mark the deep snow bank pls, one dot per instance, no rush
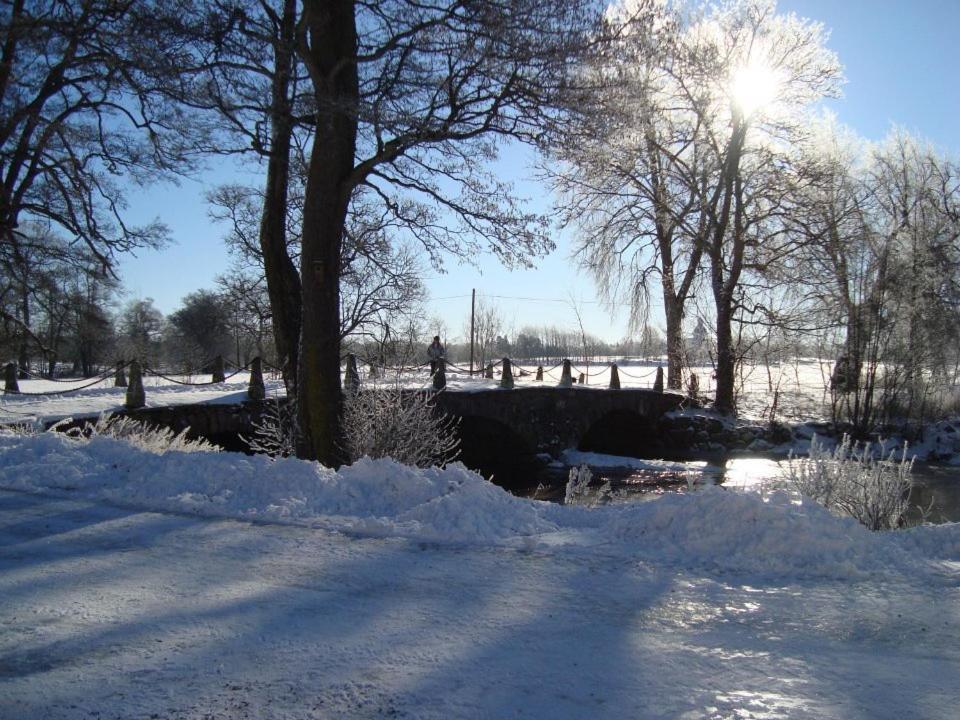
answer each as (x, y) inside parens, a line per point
(716, 529)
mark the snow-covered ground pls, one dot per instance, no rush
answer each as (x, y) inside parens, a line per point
(203, 585)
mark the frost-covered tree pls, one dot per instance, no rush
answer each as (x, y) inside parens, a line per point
(691, 165)
(880, 263)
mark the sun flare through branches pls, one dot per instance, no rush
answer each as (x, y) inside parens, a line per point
(754, 88)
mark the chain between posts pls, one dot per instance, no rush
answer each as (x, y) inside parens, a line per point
(65, 391)
(150, 371)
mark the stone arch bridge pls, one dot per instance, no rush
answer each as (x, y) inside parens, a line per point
(519, 422)
(551, 419)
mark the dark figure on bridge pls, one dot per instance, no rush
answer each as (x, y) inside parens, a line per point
(436, 353)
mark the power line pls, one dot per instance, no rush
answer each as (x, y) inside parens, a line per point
(565, 301)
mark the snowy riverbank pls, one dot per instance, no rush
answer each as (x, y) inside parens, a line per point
(214, 585)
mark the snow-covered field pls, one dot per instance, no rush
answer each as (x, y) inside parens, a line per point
(46, 400)
(203, 585)
(801, 387)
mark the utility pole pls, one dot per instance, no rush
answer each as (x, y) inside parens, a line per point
(473, 306)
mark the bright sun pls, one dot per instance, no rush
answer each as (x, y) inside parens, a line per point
(754, 87)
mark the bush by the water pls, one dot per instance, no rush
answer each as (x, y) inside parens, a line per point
(873, 488)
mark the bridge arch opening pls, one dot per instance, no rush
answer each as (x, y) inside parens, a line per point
(624, 432)
(495, 450)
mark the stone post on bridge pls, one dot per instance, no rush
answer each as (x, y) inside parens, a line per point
(440, 376)
(136, 397)
(256, 390)
(351, 378)
(539, 373)
(658, 383)
(219, 375)
(566, 377)
(506, 376)
(614, 377)
(10, 383)
(120, 377)
(488, 373)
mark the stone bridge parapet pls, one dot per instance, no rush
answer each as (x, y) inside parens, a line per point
(550, 419)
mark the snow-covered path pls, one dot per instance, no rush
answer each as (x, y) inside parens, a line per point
(111, 612)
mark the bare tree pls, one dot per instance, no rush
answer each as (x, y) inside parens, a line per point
(625, 174)
(408, 97)
(78, 111)
(380, 275)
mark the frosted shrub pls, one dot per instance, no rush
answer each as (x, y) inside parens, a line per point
(577, 483)
(153, 439)
(401, 424)
(850, 480)
(275, 434)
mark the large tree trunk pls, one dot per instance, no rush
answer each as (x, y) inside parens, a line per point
(23, 353)
(726, 357)
(329, 49)
(725, 276)
(673, 308)
(283, 282)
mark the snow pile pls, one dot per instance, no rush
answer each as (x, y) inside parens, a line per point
(736, 531)
(379, 497)
(717, 529)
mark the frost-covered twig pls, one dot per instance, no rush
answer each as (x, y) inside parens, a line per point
(577, 483)
(275, 433)
(153, 439)
(401, 424)
(851, 480)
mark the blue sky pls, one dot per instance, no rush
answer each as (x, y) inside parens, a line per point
(900, 59)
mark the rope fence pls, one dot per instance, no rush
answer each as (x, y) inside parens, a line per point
(95, 381)
(134, 390)
(151, 371)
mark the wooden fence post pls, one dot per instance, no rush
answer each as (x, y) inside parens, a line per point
(506, 375)
(119, 377)
(566, 377)
(539, 373)
(256, 390)
(658, 383)
(219, 375)
(614, 377)
(136, 397)
(10, 383)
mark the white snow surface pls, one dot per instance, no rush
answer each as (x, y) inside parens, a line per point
(216, 585)
(774, 535)
(48, 400)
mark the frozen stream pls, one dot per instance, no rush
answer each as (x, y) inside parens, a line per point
(936, 489)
